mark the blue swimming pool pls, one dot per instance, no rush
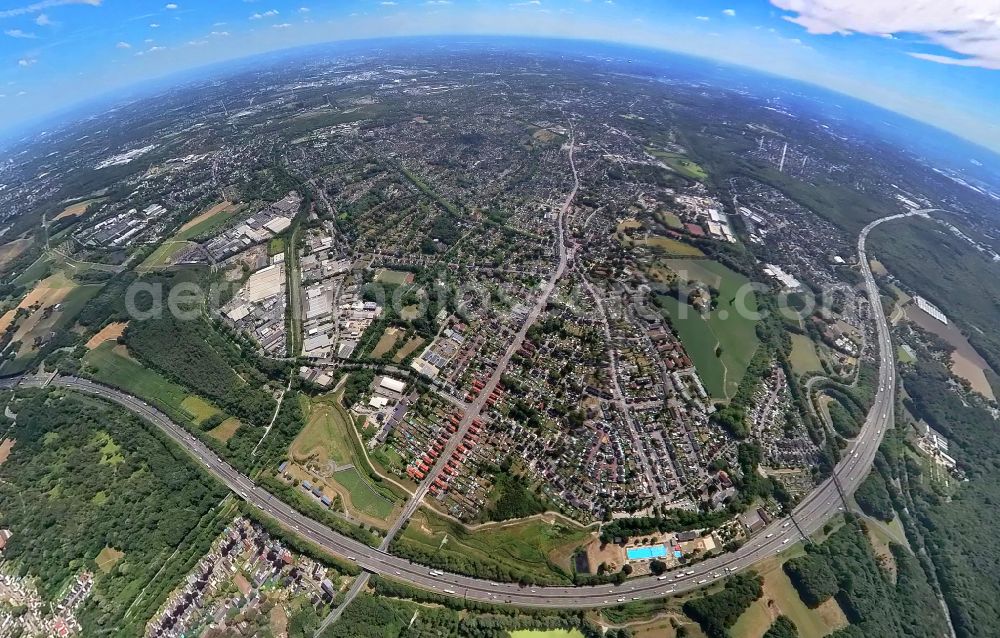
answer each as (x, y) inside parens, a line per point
(646, 553)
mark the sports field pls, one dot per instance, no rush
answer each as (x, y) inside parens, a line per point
(722, 342)
(393, 277)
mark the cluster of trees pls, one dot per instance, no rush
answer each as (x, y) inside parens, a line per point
(844, 566)
(782, 627)
(452, 617)
(716, 613)
(512, 499)
(873, 498)
(192, 354)
(672, 520)
(356, 385)
(95, 476)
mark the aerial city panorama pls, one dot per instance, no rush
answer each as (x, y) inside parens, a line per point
(500, 319)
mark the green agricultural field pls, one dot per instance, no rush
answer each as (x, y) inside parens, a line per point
(207, 221)
(721, 343)
(363, 496)
(162, 255)
(533, 548)
(37, 325)
(804, 358)
(106, 364)
(203, 223)
(904, 356)
(672, 246)
(198, 408)
(36, 271)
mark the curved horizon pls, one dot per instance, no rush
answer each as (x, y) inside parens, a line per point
(63, 53)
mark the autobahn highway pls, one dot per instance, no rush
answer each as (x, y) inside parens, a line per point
(808, 516)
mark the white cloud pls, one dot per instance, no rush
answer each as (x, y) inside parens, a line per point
(283, 25)
(42, 5)
(219, 34)
(437, 2)
(388, 3)
(17, 33)
(43, 20)
(729, 12)
(267, 14)
(304, 9)
(968, 28)
(703, 18)
(152, 49)
(26, 62)
(123, 45)
(170, 7)
(153, 25)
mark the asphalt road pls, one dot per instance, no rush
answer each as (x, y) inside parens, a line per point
(809, 516)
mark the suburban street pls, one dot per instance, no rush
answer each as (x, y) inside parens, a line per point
(808, 517)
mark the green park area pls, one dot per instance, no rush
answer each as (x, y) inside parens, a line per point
(329, 438)
(781, 598)
(546, 633)
(722, 341)
(679, 163)
(537, 550)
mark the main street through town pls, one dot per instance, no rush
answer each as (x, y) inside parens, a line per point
(809, 516)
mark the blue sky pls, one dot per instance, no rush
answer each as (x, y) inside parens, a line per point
(936, 61)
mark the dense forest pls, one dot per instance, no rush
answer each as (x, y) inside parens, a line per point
(957, 532)
(192, 354)
(85, 476)
(845, 567)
